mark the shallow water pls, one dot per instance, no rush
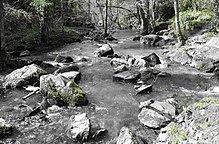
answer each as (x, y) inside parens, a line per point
(112, 104)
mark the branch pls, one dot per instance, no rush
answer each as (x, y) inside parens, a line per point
(119, 7)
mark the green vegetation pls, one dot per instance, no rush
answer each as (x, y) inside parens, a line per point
(74, 96)
(203, 103)
(191, 20)
(177, 134)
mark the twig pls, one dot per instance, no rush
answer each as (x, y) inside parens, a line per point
(30, 94)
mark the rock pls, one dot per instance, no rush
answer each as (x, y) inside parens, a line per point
(155, 114)
(25, 53)
(128, 61)
(27, 75)
(66, 69)
(126, 137)
(54, 117)
(99, 133)
(144, 89)
(149, 75)
(48, 67)
(152, 40)
(53, 109)
(127, 76)
(63, 90)
(152, 59)
(137, 38)
(79, 126)
(198, 123)
(5, 129)
(180, 56)
(120, 68)
(72, 75)
(64, 59)
(104, 51)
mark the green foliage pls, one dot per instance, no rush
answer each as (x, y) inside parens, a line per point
(177, 134)
(193, 19)
(203, 103)
(75, 97)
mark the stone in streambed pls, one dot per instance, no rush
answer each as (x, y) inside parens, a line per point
(126, 137)
(155, 114)
(127, 76)
(5, 129)
(24, 76)
(63, 90)
(104, 51)
(79, 127)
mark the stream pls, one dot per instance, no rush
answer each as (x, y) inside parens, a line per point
(112, 104)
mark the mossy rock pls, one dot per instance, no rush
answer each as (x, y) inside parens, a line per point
(63, 90)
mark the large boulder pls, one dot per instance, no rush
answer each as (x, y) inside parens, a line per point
(128, 61)
(127, 76)
(152, 40)
(152, 60)
(180, 56)
(155, 114)
(24, 76)
(104, 51)
(62, 89)
(79, 127)
(198, 123)
(126, 137)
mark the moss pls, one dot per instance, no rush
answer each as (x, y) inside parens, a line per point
(203, 66)
(74, 98)
(173, 129)
(208, 125)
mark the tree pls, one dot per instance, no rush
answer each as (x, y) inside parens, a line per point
(1, 24)
(106, 20)
(143, 14)
(180, 38)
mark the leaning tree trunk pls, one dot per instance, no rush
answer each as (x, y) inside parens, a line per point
(1, 24)
(3, 55)
(143, 10)
(106, 20)
(178, 32)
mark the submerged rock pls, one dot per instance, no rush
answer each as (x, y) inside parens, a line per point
(25, 53)
(68, 68)
(64, 59)
(79, 127)
(126, 137)
(198, 123)
(104, 51)
(127, 76)
(63, 90)
(152, 40)
(120, 68)
(155, 114)
(24, 76)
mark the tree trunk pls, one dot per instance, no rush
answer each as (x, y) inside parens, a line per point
(144, 16)
(1, 24)
(106, 19)
(3, 55)
(177, 23)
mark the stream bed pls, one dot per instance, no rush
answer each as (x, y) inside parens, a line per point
(112, 104)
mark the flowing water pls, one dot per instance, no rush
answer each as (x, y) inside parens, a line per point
(112, 104)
